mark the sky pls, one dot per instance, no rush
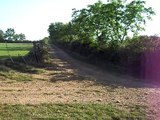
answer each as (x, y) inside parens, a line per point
(33, 17)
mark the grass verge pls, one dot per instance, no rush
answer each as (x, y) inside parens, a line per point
(23, 68)
(9, 74)
(66, 112)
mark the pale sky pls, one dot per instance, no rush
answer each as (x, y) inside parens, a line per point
(32, 17)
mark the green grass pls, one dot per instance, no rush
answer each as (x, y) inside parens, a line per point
(23, 68)
(14, 49)
(18, 72)
(66, 112)
(9, 74)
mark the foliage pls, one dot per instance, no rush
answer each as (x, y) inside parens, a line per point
(10, 35)
(1, 36)
(45, 57)
(101, 23)
(112, 21)
(54, 30)
(19, 37)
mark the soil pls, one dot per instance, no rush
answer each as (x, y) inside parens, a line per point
(69, 80)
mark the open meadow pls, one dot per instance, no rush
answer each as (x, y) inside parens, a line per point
(14, 49)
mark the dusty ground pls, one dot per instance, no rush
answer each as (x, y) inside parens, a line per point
(72, 81)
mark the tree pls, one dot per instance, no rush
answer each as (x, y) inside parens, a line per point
(82, 24)
(22, 36)
(104, 25)
(129, 17)
(54, 30)
(59, 32)
(9, 34)
(112, 21)
(19, 37)
(1, 35)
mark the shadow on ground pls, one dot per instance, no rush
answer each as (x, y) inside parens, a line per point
(20, 67)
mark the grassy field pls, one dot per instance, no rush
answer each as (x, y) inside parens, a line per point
(15, 49)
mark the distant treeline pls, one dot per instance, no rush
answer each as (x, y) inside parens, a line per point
(101, 31)
(10, 35)
(23, 41)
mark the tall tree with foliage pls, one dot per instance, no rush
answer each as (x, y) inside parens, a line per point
(60, 32)
(9, 34)
(19, 37)
(105, 25)
(112, 21)
(81, 25)
(55, 31)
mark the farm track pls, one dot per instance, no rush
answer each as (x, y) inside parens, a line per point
(72, 81)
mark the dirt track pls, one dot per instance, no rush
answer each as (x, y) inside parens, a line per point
(72, 81)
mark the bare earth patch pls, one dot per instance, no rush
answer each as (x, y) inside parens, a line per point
(72, 81)
(36, 92)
